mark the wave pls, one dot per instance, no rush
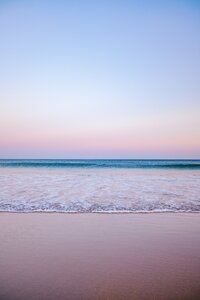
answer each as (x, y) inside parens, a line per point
(95, 208)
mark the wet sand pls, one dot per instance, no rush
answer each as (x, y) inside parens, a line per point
(99, 256)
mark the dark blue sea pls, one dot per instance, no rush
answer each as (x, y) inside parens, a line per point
(101, 163)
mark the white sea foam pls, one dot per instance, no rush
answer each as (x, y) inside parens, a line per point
(99, 190)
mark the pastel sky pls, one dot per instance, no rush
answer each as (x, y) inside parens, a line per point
(99, 79)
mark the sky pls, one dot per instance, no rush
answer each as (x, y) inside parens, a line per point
(99, 79)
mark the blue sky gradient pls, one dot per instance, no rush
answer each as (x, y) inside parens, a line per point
(88, 79)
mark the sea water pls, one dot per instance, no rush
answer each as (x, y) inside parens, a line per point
(105, 186)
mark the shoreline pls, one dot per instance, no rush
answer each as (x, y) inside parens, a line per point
(101, 212)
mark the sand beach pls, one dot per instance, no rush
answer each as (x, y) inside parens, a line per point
(99, 256)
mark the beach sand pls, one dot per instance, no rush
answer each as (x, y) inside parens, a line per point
(99, 256)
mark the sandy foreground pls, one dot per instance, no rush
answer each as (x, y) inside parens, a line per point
(99, 256)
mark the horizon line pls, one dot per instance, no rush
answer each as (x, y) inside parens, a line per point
(99, 158)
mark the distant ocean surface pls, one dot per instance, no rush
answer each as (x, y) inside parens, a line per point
(106, 186)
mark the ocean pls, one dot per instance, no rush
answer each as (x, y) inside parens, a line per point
(99, 186)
